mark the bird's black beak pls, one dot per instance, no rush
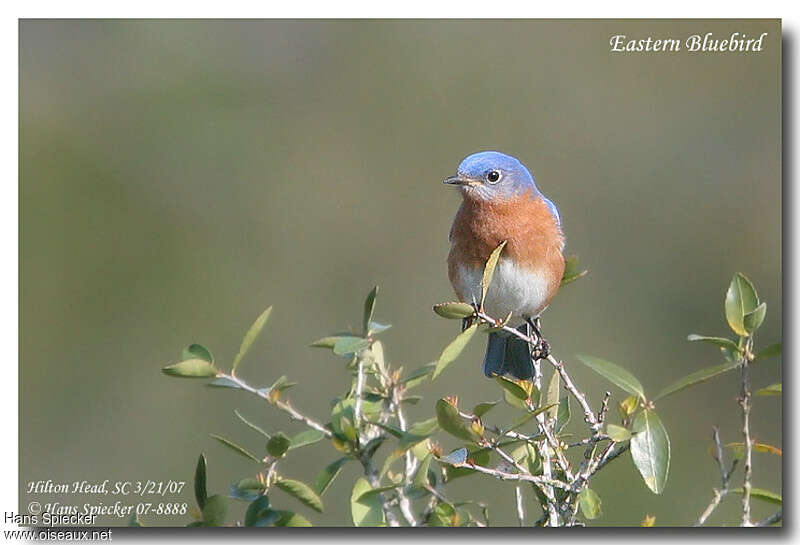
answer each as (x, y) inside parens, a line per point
(457, 180)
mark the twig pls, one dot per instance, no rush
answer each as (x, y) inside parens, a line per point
(359, 392)
(541, 419)
(410, 464)
(505, 476)
(777, 516)
(744, 402)
(374, 482)
(589, 440)
(591, 419)
(589, 416)
(520, 509)
(282, 405)
(612, 452)
(725, 477)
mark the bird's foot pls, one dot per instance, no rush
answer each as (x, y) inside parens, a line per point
(541, 349)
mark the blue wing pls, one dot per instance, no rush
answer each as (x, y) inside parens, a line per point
(553, 209)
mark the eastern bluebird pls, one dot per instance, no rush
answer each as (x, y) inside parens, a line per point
(501, 202)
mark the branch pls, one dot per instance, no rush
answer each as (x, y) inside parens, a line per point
(725, 477)
(777, 516)
(374, 482)
(520, 509)
(505, 476)
(282, 405)
(359, 392)
(744, 402)
(590, 418)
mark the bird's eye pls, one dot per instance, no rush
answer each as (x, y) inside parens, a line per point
(493, 177)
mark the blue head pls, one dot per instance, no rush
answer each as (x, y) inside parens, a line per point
(491, 175)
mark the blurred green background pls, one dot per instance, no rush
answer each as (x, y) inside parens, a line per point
(178, 177)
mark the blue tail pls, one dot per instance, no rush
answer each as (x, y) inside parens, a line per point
(507, 355)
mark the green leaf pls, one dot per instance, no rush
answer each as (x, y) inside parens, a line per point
(740, 299)
(614, 373)
(250, 424)
(278, 444)
(256, 510)
(250, 337)
(329, 472)
(369, 308)
(571, 270)
(224, 382)
(308, 437)
(290, 519)
(528, 415)
(302, 492)
(236, 448)
(590, 503)
(718, 341)
(423, 429)
(200, 493)
(325, 342)
(769, 352)
(563, 414)
(771, 390)
(197, 352)
(553, 392)
(697, 377)
(281, 384)
(454, 310)
(349, 345)
(195, 368)
(761, 494)
(452, 350)
(739, 450)
(512, 388)
(488, 270)
(367, 512)
(753, 320)
(215, 510)
(421, 478)
(650, 450)
(375, 491)
(445, 515)
(617, 433)
(418, 375)
(451, 422)
(483, 408)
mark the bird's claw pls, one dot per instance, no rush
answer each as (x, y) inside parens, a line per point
(541, 350)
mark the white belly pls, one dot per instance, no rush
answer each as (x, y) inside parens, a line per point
(513, 289)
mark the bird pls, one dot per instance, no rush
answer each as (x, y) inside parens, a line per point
(501, 202)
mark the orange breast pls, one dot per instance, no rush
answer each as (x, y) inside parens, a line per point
(535, 240)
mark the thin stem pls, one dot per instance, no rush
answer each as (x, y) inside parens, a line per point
(410, 464)
(725, 476)
(589, 416)
(374, 482)
(359, 392)
(612, 452)
(520, 508)
(775, 517)
(505, 476)
(547, 470)
(745, 403)
(282, 405)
